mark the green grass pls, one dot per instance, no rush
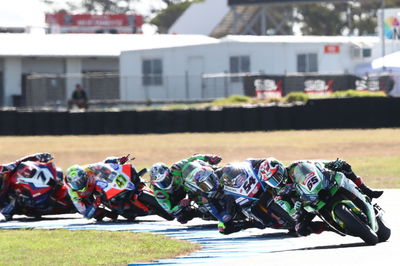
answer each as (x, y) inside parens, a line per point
(232, 100)
(354, 93)
(381, 172)
(65, 247)
(237, 100)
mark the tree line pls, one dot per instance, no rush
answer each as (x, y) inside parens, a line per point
(329, 18)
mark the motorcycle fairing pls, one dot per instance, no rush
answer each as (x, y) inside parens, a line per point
(34, 177)
(116, 182)
(242, 189)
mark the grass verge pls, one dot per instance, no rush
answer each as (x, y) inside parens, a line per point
(82, 247)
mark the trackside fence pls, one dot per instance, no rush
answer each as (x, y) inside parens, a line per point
(368, 112)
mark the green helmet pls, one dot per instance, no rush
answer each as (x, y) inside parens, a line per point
(76, 177)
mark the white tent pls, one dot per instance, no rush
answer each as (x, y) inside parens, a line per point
(389, 65)
(390, 62)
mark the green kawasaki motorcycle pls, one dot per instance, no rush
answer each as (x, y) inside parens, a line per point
(338, 202)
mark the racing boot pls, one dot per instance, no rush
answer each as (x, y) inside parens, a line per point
(8, 212)
(373, 194)
(346, 169)
(319, 227)
(100, 214)
(293, 232)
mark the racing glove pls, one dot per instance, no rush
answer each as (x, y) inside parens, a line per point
(339, 165)
(184, 203)
(123, 159)
(213, 159)
(296, 210)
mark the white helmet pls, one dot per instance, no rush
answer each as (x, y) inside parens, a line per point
(273, 172)
(160, 176)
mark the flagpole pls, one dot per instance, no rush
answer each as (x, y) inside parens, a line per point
(383, 32)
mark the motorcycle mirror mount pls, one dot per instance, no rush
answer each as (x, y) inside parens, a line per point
(142, 172)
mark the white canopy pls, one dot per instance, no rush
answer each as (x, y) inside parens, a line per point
(388, 62)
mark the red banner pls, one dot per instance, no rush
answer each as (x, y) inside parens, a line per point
(331, 49)
(91, 23)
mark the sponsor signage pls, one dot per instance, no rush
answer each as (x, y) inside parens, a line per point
(268, 88)
(88, 23)
(391, 26)
(318, 86)
(276, 86)
(249, 2)
(367, 84)
(331, 49)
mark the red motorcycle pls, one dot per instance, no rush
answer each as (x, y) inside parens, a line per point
(36, 189)
(121, 189)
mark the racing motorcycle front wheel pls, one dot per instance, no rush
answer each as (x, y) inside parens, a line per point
(354, 225)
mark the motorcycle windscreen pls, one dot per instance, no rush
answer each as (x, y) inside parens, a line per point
(309, 180)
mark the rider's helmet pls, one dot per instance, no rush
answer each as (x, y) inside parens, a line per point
(160, 176)
(272, 172)
(233, 174)
(76, 177)
(206, 180)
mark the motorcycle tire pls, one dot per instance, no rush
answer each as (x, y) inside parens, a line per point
(384, 232)
(355, 226)
(152, 203)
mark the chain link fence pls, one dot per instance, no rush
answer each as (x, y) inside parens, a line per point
(112, 90)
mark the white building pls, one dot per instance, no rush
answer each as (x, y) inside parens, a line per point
(183, 73)
(43, 69)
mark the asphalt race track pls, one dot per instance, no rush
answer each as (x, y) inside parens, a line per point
(252, 246)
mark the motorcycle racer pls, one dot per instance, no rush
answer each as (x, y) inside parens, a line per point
(168, 186)
(81, 186)
(279, 177)
(7, 170)
(228, 208)
(244, 177)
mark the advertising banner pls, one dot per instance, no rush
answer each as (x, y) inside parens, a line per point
(88, 23)
(264, 87)
(391, 22)
(332, 49)
(270, 86)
